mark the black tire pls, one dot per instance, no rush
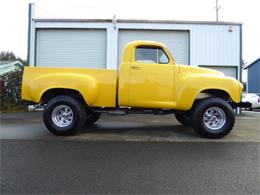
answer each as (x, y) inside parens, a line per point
(62, 104)
(91, 117)
(183, 118)
(212, 109)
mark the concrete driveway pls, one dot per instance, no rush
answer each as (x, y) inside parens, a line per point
(148, 128)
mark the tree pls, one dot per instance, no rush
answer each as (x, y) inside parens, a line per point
(10, 56)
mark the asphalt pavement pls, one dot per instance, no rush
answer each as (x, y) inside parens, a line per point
(154, 128)
(128, 155)
(50, 167)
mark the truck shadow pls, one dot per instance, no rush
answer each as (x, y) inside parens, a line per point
(153, 131)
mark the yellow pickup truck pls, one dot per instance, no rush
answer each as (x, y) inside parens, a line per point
(149, 81)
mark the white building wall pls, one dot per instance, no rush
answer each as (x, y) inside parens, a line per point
(214, 45)
(112, 46)
(210, 44)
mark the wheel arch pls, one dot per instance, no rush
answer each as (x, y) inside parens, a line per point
(220, 93)
(48, 94)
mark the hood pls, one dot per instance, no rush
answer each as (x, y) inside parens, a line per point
(199, 70)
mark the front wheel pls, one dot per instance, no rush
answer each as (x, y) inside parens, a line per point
(64, 115)
(212, 117)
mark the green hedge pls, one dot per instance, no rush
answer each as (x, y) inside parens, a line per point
(10, 94)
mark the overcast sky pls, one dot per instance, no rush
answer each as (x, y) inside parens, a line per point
(14, 13)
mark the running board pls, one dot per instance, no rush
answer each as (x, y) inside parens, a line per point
(124, 111)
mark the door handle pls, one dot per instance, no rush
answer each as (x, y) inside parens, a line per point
(135, 67)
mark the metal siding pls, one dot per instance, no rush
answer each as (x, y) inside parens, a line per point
(176, 41)
(71, 48)
(254, 78)
(213, 44)
(209, 44)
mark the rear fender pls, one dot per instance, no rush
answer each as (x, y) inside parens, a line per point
(86, 85)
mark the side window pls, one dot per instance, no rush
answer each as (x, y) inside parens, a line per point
(151, 55)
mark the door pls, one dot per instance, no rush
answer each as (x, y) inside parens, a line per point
(151, 79)
(71, 48)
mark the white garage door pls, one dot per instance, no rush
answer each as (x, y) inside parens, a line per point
(71, 48)
(176, 41)
(230, 71)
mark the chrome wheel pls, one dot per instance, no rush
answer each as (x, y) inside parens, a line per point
(214, 118)
(62, 116)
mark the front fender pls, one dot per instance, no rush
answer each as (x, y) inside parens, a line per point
(190, 87)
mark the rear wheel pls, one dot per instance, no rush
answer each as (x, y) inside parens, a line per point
(212, 117)
(183, 118)
(64, 115)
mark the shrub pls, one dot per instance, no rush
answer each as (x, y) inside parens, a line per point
(10, 91)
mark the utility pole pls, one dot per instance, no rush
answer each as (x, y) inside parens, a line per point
(217, 9)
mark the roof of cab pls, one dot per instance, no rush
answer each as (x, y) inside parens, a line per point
(144, 43)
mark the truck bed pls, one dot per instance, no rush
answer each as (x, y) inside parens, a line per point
(97, 86)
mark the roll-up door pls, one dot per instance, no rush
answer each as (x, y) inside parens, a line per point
(71, 48)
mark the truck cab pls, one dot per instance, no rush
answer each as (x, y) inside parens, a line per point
(146, 76)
